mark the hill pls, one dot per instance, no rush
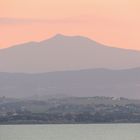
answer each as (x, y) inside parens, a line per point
(83, 83)
(62, 53)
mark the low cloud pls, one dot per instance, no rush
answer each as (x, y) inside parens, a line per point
(13, 21)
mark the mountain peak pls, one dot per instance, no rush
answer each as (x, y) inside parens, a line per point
(69, 39)
(59, 35)
(68, 36)
(56, 37)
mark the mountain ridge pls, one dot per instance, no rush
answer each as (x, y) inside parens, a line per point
(96, 82)
(59, 35)
(62, 53)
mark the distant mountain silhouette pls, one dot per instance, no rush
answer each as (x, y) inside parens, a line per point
(94, 82)
(61, 53)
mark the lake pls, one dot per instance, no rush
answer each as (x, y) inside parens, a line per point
(71, 132)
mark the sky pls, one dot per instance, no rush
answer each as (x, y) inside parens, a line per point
(111, 22)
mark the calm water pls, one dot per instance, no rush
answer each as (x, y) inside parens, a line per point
(71, 132)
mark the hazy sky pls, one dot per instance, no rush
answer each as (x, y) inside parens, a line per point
(113, 22)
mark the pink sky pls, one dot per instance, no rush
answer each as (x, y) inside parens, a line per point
(112, 22)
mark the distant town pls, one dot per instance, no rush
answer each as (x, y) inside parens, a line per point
(69, 110)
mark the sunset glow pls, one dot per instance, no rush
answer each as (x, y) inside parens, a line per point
(115, 23)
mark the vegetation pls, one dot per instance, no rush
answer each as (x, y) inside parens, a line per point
(69, 110)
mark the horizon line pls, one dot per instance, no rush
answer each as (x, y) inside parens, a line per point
(72, 36)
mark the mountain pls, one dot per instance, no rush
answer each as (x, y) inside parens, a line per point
(61, 53)
(83, 83)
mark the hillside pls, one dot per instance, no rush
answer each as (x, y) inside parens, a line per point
(69, 110)
(83, 83)
(62, 53)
